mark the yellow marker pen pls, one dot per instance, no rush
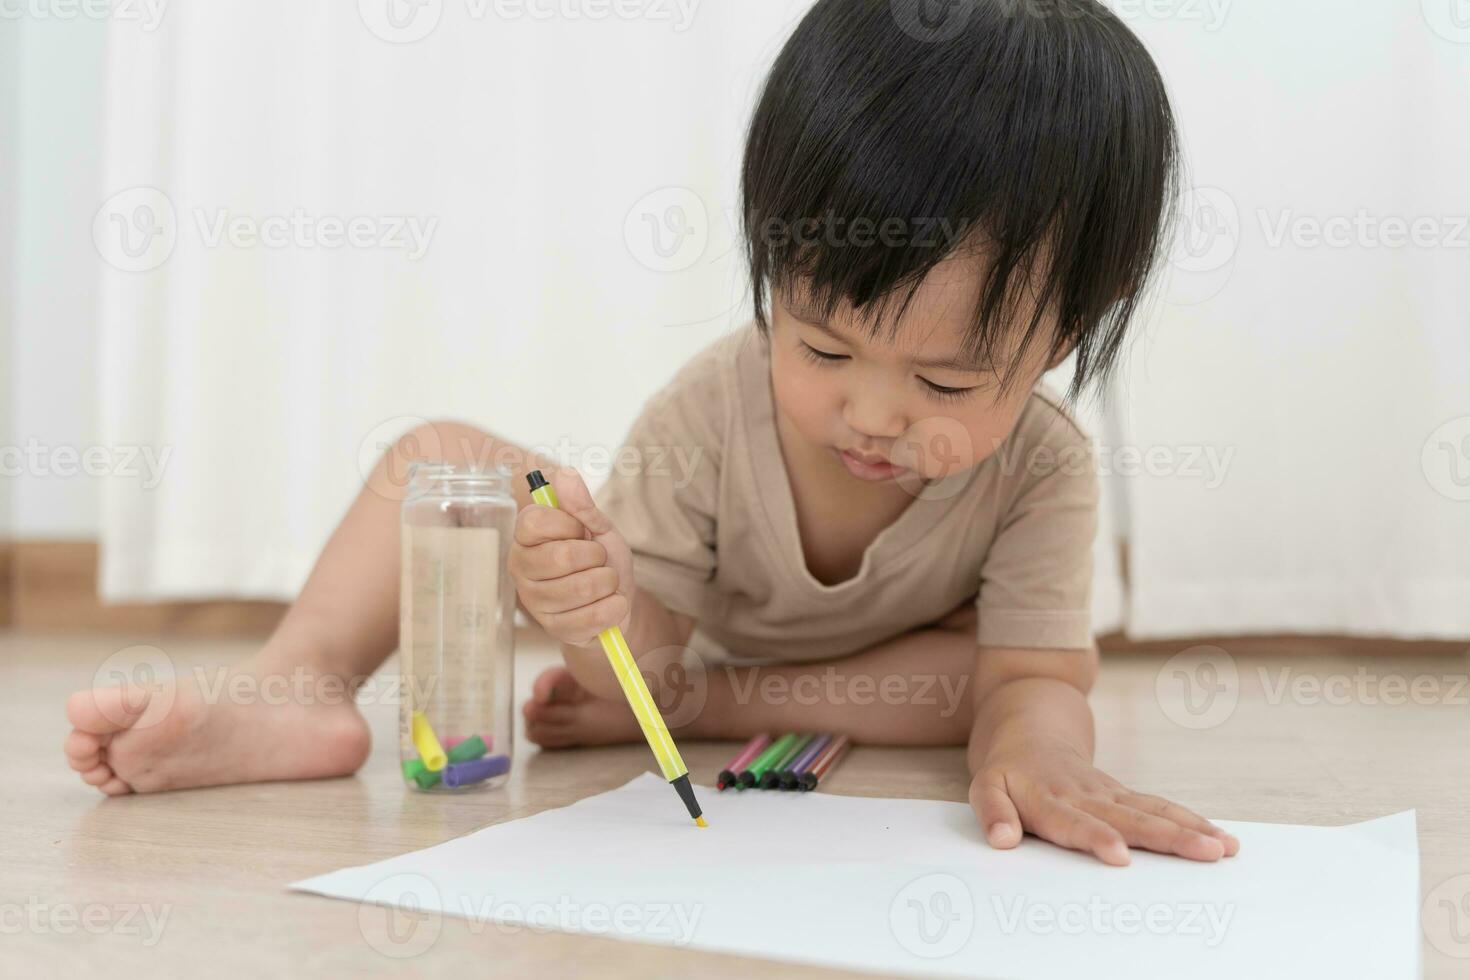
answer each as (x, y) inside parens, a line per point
(639, 698)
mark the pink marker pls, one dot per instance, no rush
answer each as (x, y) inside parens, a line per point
(752, 749)
(454, 740)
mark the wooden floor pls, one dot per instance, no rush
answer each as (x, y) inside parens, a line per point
(1312, 739)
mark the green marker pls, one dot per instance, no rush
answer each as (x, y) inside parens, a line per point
(762, 762)
(471, 748)
(416, 770)
(771, 778)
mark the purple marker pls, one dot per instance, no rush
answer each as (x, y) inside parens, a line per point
(803, 762)
(458, 774)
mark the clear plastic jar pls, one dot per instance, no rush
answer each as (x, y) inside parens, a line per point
(456, 629)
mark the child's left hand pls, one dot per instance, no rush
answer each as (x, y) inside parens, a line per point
(1053, 792)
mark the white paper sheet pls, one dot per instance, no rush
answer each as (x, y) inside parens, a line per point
(910, 886)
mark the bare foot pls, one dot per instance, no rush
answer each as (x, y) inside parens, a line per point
(561, 714)
(172, 736)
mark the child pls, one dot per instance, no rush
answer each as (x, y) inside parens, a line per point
(883, 510)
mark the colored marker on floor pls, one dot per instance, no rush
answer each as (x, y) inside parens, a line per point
(753, 748)
(825, 763)
(803, 762)
(773, 753)
(772, 776)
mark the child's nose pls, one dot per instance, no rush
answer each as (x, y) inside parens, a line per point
(875, 418)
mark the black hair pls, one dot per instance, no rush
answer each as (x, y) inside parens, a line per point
(1036, 133)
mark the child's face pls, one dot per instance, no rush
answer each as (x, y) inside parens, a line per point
(899, 409)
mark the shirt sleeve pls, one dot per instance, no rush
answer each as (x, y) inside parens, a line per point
(1036, 580)
(662, 492)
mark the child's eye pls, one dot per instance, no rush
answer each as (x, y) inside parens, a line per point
(943, 393)
(820, 356)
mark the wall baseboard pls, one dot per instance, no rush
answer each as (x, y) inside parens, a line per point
(1305, 645)
(7, 551)
(52, 585)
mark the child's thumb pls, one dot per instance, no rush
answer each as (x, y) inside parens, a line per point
(573, 497)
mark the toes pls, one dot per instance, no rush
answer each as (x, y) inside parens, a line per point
(98, 775)
(115, 787)
(551, 736)
(83, 750)
(105, 710)
(553, 714)
(555, 684)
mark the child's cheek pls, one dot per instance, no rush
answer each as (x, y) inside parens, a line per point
(989, 431)
(941, 444)
(802, 395)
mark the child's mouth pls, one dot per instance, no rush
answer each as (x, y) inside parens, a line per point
(864, 469)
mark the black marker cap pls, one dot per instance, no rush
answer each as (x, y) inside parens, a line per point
(536, 480)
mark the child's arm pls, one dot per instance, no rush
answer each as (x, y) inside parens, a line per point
(1023, 712)
(1030, 755)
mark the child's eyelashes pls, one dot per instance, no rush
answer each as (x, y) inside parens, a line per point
(820, 356)
(948, 394)
(937, 392)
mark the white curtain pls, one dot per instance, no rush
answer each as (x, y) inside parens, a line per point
(1315, 333)
(570, 184)
(571, 177)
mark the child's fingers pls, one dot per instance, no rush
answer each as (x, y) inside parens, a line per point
(1064, 824)
(997, 814)
(556, 559)
(560, 595)
(1182, 815)
(581, 626)
(538, 525)
(1154, 833)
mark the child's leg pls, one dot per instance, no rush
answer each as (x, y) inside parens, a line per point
(287, 712)
(912, 690)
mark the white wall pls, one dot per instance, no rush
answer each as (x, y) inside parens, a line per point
(7, 126)
(50, 129)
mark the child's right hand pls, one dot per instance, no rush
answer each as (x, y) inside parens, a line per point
(572, 569)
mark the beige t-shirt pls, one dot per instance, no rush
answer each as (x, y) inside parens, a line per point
(701, 494)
